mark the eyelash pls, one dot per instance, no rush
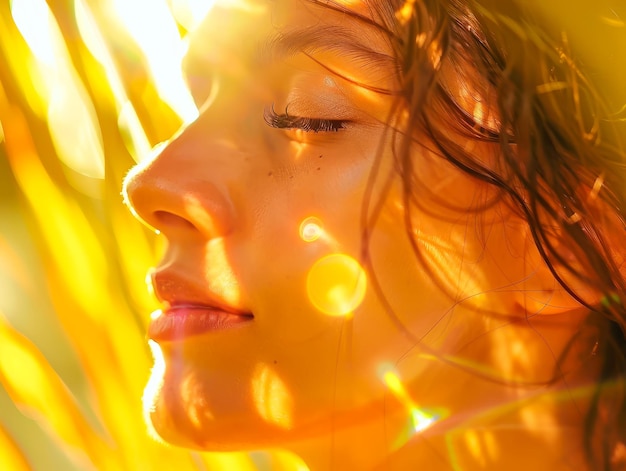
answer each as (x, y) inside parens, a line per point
(287, 121)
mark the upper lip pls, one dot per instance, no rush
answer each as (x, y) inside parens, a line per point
(175, 290)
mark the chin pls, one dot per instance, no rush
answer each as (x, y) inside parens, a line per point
(189, 422)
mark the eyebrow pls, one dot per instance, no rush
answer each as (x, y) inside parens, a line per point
(312, 40)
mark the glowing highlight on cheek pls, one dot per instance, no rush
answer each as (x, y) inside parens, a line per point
(298, 146)
(219, 274)
(336, 284)
(311, 229)
(271, 397)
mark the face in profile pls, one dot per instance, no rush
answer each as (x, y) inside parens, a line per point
(294, 302)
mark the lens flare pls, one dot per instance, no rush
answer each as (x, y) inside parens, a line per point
(311, 229)
(420, 418)
(336, 284)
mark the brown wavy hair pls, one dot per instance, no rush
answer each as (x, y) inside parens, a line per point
(554, 114)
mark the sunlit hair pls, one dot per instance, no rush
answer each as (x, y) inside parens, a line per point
(561, 165)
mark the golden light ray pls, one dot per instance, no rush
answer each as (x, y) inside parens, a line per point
(71, 118)
(163, 48)
(336, 284)
(128, 122)
(271, 397)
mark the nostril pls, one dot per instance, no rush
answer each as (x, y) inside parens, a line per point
(166, 219)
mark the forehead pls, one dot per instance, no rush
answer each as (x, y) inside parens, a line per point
(265, 31)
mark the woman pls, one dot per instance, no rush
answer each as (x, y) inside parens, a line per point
(395, 241)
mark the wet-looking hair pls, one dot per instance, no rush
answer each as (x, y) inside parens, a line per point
(553, 115)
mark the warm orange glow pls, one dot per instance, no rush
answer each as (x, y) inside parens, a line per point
(336, 284)
(271, 397)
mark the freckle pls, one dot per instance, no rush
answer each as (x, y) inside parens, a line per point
(318, 168)
(321, 155)
(269, 174)
(290, 176)
(275, 362)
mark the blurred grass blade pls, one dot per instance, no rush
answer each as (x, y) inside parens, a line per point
(37, 390)
(11, 457)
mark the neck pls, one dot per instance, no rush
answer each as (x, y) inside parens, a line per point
(493, 435)
(480, 422)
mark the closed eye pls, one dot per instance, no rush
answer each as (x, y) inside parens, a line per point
(287, 121)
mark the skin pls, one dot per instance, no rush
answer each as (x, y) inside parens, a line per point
(477, 328)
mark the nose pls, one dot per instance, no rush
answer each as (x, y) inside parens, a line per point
(182, 189)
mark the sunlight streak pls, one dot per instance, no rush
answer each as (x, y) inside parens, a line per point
(163, 48)
(271, 397)
(71, 117)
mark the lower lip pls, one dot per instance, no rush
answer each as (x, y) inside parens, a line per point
(181, 322)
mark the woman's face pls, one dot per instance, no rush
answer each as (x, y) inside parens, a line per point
(264, 219)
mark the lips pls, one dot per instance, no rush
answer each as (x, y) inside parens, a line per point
(189, 310)
(182, 321)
